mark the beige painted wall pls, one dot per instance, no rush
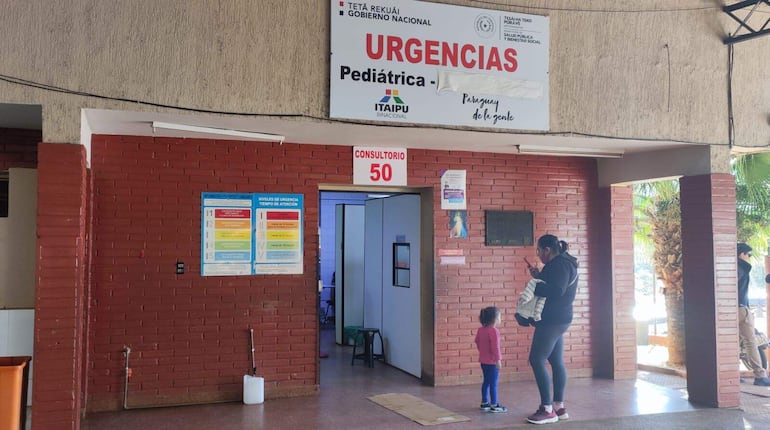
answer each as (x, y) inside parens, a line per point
(17, 241)
(609, 72)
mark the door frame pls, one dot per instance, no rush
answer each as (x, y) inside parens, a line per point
(427, 278)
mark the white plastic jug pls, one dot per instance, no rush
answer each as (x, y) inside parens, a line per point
(253, 389)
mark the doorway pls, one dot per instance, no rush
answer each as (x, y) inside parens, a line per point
(373, 295)
(20, 132)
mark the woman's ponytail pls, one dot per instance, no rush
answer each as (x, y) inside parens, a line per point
(563, 245)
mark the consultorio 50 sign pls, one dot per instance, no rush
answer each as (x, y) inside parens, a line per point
(379, 166)
(430, 63)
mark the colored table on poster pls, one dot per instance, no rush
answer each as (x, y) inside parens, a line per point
(247, 234)
(278, 244)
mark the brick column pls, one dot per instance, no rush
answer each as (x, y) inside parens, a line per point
(624, 326)
(59, 286)
(710, 295)
(612, 297)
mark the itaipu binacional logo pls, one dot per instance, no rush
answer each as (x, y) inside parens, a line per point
(484, 26)
(391, 105)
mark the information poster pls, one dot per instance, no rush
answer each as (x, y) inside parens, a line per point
(453, 189)
(247, 234)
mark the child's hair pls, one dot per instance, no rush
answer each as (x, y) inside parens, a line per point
(488, 315)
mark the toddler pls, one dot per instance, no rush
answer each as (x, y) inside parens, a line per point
(488, 344)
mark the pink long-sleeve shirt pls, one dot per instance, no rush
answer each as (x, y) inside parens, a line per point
(488, 344)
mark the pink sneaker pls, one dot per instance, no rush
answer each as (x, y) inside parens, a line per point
(543, 417)
(562, 414)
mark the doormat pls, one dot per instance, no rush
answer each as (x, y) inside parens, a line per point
(757, 390)
(417, 409)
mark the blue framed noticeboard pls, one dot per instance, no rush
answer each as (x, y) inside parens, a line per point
(251, 234)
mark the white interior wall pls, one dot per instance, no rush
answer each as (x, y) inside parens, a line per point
(327, 227)
(17, 241)
(17, 328)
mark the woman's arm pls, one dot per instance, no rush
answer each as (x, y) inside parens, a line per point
(555, 277)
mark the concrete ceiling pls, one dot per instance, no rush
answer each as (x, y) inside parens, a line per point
(28, 117)
(323, 132)
(307, 131)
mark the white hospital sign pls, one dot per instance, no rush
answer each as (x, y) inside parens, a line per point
(430, 63)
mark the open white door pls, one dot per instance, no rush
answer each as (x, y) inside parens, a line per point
(401, 304)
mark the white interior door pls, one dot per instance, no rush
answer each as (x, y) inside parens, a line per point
(401, 305)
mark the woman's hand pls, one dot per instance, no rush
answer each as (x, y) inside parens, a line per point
(533, 270)
(499, 364)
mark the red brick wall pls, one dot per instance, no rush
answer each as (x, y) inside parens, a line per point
(188, 334)
(18, 147)
(711, 312)
(60, 286)
(559, 191)
(624, 327)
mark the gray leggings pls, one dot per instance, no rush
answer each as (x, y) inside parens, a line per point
(548, 344)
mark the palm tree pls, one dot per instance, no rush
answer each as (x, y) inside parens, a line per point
(658, 220)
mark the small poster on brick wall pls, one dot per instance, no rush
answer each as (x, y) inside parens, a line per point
(251, 234)
(453, 189)
(458, 224)
(449, 257)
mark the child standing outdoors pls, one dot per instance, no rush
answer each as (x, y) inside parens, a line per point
(488, 344)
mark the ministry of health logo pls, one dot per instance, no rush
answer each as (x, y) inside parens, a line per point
(484, 26)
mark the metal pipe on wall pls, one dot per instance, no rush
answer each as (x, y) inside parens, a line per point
(127, 371)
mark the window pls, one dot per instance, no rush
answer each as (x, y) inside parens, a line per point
(401, 265)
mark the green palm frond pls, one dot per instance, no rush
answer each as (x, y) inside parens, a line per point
(752, 195)
(650, 200)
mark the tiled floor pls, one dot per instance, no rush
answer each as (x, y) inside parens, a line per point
(343, 404)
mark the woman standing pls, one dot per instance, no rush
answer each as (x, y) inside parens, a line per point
(560, 279)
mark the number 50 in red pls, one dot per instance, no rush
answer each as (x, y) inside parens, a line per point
(381, 172)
